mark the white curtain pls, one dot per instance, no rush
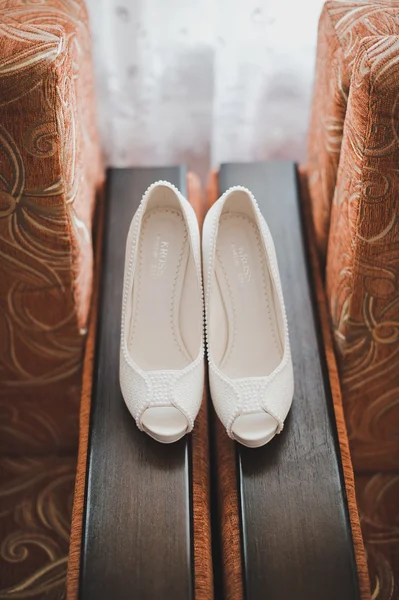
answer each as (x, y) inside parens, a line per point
(203, 81)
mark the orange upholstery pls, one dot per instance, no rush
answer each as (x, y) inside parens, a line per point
(36, 496)
(355, 122)
(50, 170)
(363, 256)
(354, 186)
(378, 495)
(229, 518)
(342, 27)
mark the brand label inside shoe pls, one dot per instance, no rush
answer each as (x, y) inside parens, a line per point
(241, 262)
(159, 257)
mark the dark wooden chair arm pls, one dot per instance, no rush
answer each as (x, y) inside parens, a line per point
(137, 526)
(296, 534)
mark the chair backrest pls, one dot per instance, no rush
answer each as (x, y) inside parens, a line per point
(354, 188)
(50, 169)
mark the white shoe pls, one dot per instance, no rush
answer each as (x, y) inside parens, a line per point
(162, 345)
(250, 368)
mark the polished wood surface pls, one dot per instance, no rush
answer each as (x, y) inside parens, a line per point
(296, 536)
(137, 540)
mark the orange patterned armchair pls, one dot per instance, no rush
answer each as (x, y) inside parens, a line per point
(50, 172)
(354, 188)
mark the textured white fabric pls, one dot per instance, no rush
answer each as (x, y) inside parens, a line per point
(183, 388)
(234, 397)
(204, 81)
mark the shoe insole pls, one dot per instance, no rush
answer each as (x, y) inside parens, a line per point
(245, 330)
(162, 270)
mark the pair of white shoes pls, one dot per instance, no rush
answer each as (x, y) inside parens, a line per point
(162, 341)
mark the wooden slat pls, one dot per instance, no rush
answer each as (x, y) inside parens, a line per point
(137, 540)
(296, 536)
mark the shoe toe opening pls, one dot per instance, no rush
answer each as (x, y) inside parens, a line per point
(255, 429)
(165, 424)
